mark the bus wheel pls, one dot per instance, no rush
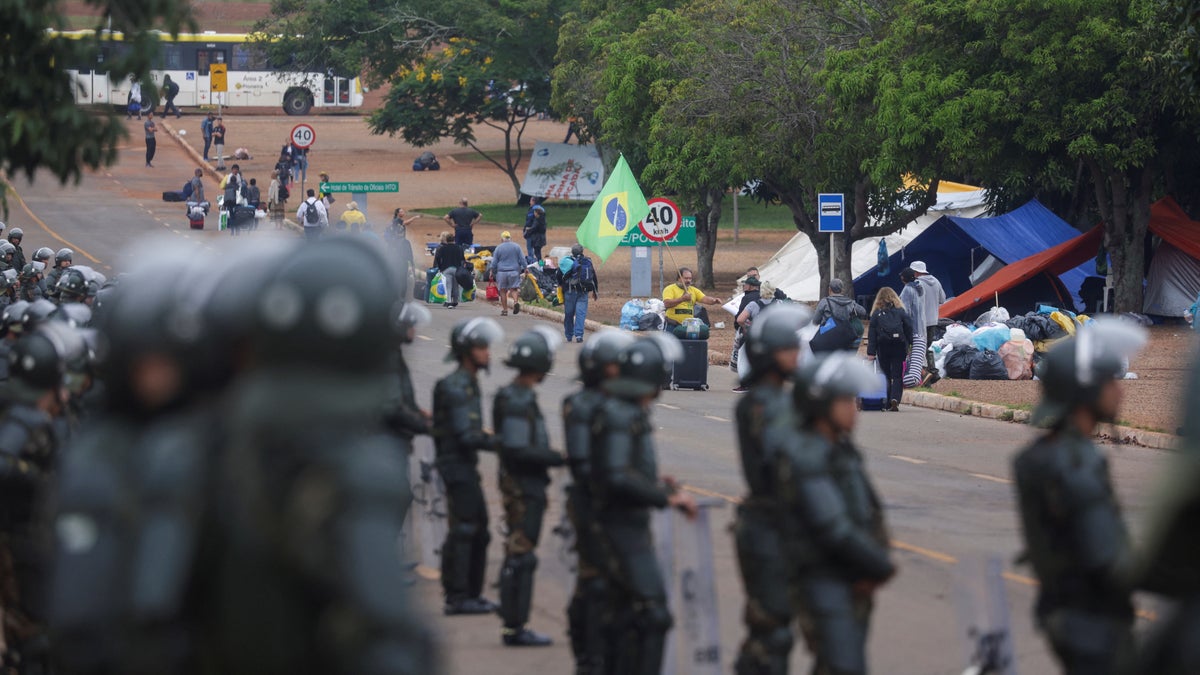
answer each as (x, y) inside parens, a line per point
(297, 102)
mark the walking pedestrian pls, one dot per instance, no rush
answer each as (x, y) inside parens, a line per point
(151, 142)
(525, 459)
(889, 338)
(934, 296)
(218, 140)
(447, 259)
(1084, 604)
(912, 295)
(751, 292)
(766, 295)
(463, 219)
(135, 101)
(578, 280)
(170, 90)
(253, 194)
(508, 263)
(396, 238)
(535, 229)
(206, 130)
(458, 436)
(312, 216)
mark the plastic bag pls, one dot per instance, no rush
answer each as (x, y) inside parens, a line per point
(958, 335)
(958, 363)
(1018, 358)
(631, 312)
(987, 365)
(993, 315)
(991, 337)
(1065, 322)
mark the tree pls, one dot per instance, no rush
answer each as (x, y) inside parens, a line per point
(1045, 94)
(452, 64)
(42, 127)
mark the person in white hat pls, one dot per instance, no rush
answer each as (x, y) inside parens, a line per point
(934, 295)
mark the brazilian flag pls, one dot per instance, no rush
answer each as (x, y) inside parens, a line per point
(618, 209)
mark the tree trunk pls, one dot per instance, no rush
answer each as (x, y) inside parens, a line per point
(708, 217)
(1123, 199)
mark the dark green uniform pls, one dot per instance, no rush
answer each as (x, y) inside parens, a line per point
(764, 421)
(403, 417)
(626, 487)
(585, 612)
(525, 457)
(1079, 549)
(835, 539)
(459, 436)
(27, 460)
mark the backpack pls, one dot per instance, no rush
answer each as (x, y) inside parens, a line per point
(283, 193)
(585, 272)
(311, 216)
(172, 89)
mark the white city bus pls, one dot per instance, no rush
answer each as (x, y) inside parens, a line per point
(187, 58)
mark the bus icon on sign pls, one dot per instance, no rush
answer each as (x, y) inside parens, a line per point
(831, 209)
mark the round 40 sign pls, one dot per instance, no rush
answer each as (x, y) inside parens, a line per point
(663, 221)
(303, 136)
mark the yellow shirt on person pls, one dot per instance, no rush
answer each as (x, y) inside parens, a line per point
(353, 217)
(684, 309)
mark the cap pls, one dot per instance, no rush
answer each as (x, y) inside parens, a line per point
(918, 267)
(505, 235)
(752, 281)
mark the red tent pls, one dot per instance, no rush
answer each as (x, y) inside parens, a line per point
(1167, 220)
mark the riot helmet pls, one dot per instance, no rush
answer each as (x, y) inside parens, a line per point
(63, 255)
(30, 271)
(36, 362)
(828, 377)
(601, 350)
(72, 285)
(1075, 372)
(534, 350)
(412, 316)
(775, 329)
(7, 248)
(16, 234)
(330, 304)
(646, 367)
(74, 314)
(473, 334)
(43, 254)
(12, 315)
(36, 312)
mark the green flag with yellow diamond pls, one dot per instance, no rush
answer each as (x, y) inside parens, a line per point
(618, 209)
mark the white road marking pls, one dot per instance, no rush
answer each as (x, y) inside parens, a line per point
(668, 406)
(910, 460)
(715, 418)
(994, 479)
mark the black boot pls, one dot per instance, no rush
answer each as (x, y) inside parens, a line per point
(523, 637)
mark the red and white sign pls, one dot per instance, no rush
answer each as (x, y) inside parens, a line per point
(303, 136)
(663, 221)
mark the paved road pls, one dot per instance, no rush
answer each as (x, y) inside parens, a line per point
(942, 476)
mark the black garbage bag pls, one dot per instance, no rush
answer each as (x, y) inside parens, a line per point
(988, 365)
(958, 362)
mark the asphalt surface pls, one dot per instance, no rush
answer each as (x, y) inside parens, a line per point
(943, 477)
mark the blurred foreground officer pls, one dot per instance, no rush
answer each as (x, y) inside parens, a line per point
(837, 540)
(1074, 536)
(28, 455)
(598, 363)
(402, 415)
(525, 460)
(626, 487)
(765, 423)
(459, 437)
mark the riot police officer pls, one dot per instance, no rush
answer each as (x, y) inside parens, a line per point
(28, 456)
(765, 420)
(63, 259)
(72, 286)
(44, 256)
(7, 257)
(525, 459)
(15, 236)
(30, 278)
(459, 437)
(626, 486)
(1075, 538)
(836, 538)
(597, 364)
(402, 415)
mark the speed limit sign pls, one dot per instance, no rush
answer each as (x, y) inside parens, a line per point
(303, 136)
(663, 220)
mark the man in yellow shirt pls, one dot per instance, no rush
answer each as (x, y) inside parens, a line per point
(352, 218)
(681, 298)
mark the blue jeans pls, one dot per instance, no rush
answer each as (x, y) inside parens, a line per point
(207, 145)
(574, 312)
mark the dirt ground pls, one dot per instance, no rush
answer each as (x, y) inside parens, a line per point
(348, 151)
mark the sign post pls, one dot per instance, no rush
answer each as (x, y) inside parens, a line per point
(218, 82)
(831, 218)
(303, 136)
(663, 227)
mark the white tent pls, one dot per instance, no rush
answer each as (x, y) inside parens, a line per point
(794, 269)
(1172, 283)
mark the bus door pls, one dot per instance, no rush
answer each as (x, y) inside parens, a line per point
(93, 80)
(337, 91)
(205, 57)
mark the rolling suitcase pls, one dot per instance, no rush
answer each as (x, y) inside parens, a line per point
(692, 373)
(876, 399)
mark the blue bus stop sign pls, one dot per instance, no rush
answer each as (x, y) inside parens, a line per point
(831, 216)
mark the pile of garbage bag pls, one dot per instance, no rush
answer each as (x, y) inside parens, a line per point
(643, 315)
(1002, 347)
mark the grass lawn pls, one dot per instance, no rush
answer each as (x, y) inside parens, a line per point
(751, 216)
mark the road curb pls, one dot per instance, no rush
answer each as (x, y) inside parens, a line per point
(1113, 433)
(208, 169)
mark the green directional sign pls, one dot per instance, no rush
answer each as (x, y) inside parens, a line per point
(365, 186)
(686, 236)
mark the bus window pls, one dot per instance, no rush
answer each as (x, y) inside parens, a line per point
(248, 57)
(329, 93)
(172, 57)
(343, 91)
(207, 57)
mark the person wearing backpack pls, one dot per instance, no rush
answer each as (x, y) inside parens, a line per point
(170, 91)
(577, 282)
(535, 229)
(312, 215)
(889, 337)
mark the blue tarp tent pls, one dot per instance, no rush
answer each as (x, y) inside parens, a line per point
(953, 247)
